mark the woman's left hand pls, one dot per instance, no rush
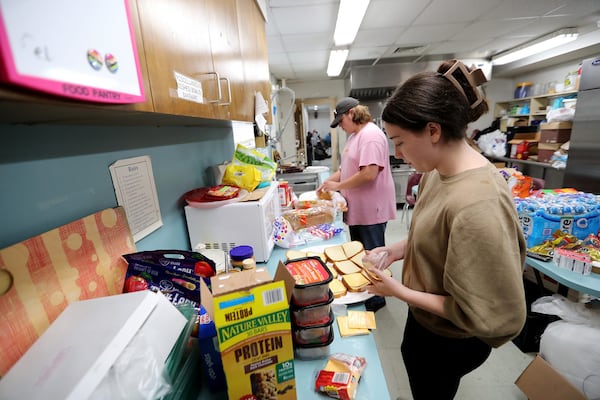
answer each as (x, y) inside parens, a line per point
(386, 286)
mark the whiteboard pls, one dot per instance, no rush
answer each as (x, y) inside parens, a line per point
(81, 49)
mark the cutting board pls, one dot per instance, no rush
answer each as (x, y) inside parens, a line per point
(40, 276)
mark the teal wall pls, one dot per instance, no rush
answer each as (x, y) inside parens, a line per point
(51, 175)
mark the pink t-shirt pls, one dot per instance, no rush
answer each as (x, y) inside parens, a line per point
(374, 202)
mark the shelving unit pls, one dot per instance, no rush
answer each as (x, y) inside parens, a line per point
(535, 108)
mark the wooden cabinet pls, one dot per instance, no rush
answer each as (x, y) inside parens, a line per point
(253, 42)
(528, 108)
(201, 41)
(178, 53)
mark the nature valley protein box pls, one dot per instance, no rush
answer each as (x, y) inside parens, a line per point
(254, 333)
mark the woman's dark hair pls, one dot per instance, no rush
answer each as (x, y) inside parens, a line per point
(448, 97)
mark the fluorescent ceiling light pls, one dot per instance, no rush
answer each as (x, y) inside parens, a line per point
(537, 46)
(337, 58)
(350, 15)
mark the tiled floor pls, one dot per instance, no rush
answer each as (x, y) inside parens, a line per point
(494, 380)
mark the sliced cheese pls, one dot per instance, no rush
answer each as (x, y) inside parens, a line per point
(346, 267)
(342, 321)
(352, 248)
(335, 253)
(361, 319)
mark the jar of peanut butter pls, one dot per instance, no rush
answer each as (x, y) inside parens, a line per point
(238, 254)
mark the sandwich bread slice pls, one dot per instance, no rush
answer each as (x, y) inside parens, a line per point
(294, 254)
(335, 253)
(355, 282)
(346, 267)
(352, 248)
(337, 288)
(357, 259)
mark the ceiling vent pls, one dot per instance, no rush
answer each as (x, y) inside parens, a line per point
(409, 50)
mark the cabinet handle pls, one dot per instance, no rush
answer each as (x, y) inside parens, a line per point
(228, 92)
(218, 80)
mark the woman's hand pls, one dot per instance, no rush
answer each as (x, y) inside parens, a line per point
(378, 258)
(328, 186)
(394, 251)
(386, 285)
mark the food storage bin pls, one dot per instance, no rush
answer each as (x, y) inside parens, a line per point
(523, 89)
(314, 351)
(313, 314)
(312, 279)
(313, 334)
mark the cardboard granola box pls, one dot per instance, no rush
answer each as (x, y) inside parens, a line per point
(252, 317)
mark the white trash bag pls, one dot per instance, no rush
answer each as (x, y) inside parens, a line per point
(572, 345)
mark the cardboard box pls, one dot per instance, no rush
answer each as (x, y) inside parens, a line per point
(544, 155)
(549, 146)
(74, 355)
(533, 136)
(539, 381)
(252, 317)
(555, 135)
(557, 125)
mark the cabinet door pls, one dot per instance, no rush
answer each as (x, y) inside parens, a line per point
(176, 41)
(135, 22)
(227, 58)
(253, 42)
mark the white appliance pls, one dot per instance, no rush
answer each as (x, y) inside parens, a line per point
(243, 223)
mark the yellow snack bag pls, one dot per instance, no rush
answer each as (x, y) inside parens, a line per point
(243, 176)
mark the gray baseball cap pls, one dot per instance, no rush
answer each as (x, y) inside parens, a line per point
(341, 108)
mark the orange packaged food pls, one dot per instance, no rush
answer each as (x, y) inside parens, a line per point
(312, 279)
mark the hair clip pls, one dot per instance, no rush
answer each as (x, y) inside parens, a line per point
(475, 78)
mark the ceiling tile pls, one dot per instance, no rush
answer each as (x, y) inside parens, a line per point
(377, 37)
(300, 33)
(311, 41)
(367, 53)
(444, 11)
(305, 19)
(391, 13)
(423, 34)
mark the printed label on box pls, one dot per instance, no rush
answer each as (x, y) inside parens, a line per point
(254, 332)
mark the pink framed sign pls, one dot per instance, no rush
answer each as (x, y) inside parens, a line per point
(80, 49)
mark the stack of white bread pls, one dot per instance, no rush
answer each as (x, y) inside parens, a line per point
(348, 263)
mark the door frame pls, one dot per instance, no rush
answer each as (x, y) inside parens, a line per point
(305, 104)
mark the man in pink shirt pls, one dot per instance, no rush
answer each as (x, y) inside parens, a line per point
(364, 178)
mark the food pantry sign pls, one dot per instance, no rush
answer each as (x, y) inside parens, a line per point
(52, 46)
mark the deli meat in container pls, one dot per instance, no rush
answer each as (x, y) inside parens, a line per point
(312, 279)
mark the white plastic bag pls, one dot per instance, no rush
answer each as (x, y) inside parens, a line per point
(571, 345)
(567, 310)
(136, 375)
(560, 114)
(572, 349)
(493, 144)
